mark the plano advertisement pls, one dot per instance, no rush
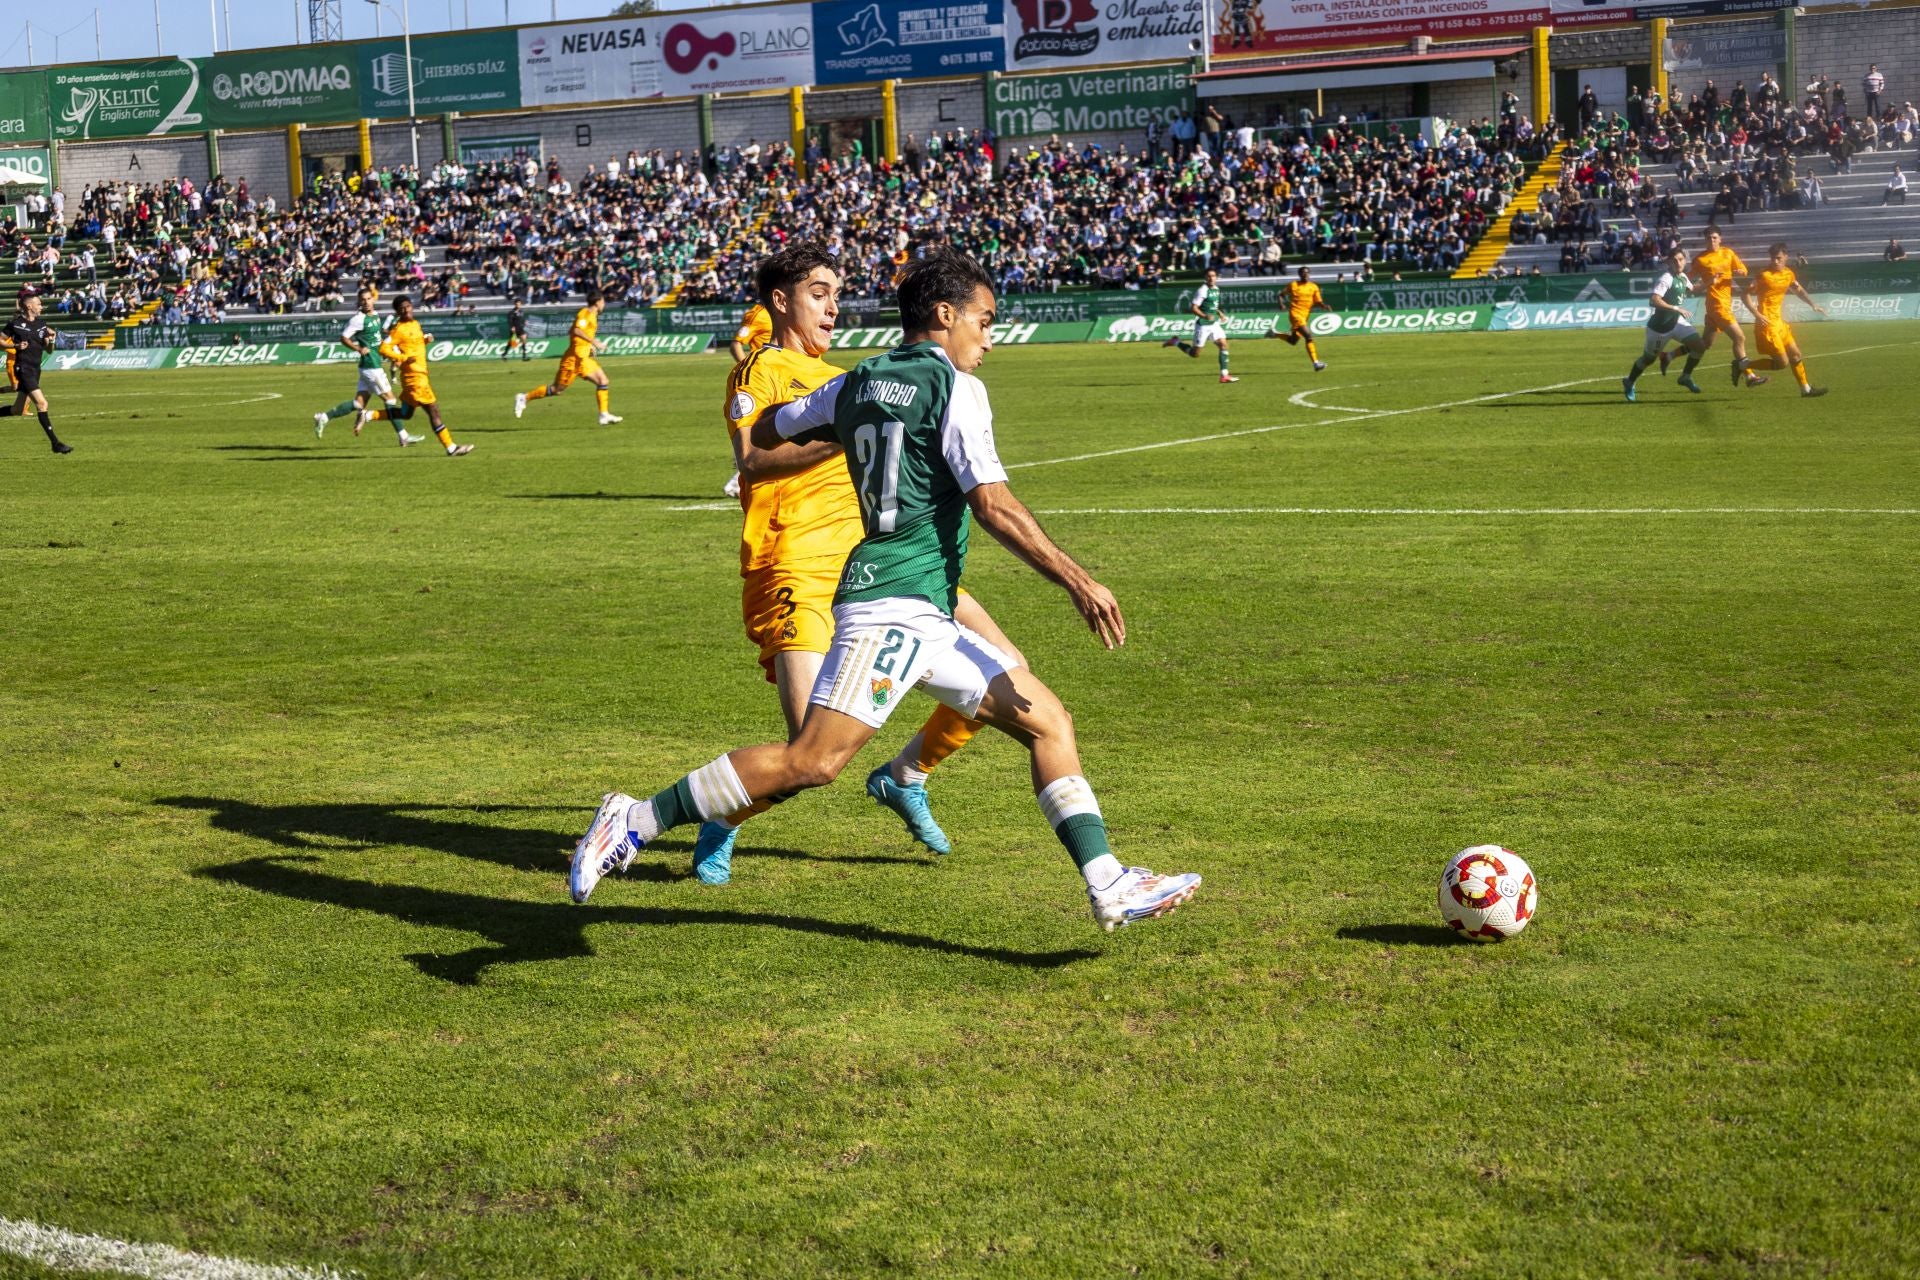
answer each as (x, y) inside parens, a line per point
(609, 61)
(459, 72)
(1042, 34)
(733, 50)
(863, 40)
(125, 100)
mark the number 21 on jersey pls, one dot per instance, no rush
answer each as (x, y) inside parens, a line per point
(877, 452)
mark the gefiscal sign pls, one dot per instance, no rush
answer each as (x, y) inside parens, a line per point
(1089, 101)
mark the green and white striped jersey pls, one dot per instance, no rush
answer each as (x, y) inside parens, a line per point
(1208, 298)
(918, 435)
(1675, 289)
(367, 330)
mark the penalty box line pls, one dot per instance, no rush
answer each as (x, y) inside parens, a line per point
(1368, 415)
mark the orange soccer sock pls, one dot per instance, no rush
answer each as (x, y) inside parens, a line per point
(445, 436)
(602, 395)
(1800, 373)
(1313, 352)
(945, 732)
(538, 393)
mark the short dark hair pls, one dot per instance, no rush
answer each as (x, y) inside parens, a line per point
(593, 294)
(943, 275)
(1778, 246)
(1304, 273)
(787, 268)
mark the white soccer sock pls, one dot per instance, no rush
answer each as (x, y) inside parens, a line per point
(901, 766)
(717, 790)
(642, 822)
(1102, 872)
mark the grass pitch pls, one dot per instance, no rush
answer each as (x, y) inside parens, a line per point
(297, 735)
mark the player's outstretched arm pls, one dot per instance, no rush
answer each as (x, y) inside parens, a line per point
(762, 453)
(1014, 527)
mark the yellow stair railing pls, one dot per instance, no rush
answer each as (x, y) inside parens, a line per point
(1493, 245)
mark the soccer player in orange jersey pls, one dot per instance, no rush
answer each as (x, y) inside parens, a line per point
(1765, 294)
(583, 344)
(1303, 296)
(755, 332)
(406, 346)
(802, 518)
(1713, 270)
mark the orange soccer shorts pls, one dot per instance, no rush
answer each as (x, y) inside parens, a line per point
(572, 367)
(1773, 339)
(789, 608)
(416, 390)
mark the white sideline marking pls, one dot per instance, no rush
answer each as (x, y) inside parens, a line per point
(1302, 399)
(1480, 511)
(71, 1251)
(1367, 415)
(211, 404)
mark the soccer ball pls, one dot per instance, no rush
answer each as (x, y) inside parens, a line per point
(1487, 893)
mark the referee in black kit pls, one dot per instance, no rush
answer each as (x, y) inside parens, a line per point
(30, 339)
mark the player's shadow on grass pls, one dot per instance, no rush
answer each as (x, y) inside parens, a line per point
(320, 827)
(531, 931)
(1403, 935)
(621, 497)
(261, 448)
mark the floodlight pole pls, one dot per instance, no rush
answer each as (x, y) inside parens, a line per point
(406, 36)
(159, 42)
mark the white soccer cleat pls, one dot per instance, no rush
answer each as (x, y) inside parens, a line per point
(1139, 895)
(1318, 365)
(608, 419)
(520, 405)
(607, 847)
(459, 450)
(732, 487)
(361, 420)
(406, 439)
(319, 424)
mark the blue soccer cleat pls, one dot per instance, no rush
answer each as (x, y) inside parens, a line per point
(607, 847)
(1626, 385)
(1686, 380)
(1139, 895)
(713, 853)
(911, 804)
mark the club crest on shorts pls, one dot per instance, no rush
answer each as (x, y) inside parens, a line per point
(882, 690)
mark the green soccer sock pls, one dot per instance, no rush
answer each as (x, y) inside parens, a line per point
(1693, 362)
(1070, 809)
(1223, 359)
(1639, 367)
(342, 409)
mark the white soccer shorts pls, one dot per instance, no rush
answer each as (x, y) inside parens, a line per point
(1680, 333)
(1205, 331)
(375, 381)
(882, 648)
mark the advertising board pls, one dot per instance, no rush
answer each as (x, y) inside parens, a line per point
(862, 40)
(1087, 101)
(477, 71)
(1044, 34)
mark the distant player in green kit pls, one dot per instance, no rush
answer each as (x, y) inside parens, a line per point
(918, 436)
(1209, 324)
(1669, 321)
(363, 334)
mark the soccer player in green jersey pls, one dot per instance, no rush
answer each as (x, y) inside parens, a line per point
(363, 336)
(1669, 322)
(918, 436)
(1209, 324)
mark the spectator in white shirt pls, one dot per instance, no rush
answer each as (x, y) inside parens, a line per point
(1896, 192)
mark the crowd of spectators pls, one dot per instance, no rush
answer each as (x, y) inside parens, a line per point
(1751, 149)
(1041, 216)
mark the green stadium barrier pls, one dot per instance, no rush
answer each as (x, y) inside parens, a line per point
(441, 350)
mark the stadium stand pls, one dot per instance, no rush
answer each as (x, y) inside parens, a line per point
(664, 228)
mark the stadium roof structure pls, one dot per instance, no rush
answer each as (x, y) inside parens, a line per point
(1365, 67)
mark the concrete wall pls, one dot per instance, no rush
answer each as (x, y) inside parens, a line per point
(580, 138)
(1843, 42)
(260, 158)
(139, 160)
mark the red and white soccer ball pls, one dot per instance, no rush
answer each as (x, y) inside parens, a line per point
(1488, 893)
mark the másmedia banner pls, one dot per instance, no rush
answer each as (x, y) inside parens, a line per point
(1043, 34)
(861, 40)
(1086, 101)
